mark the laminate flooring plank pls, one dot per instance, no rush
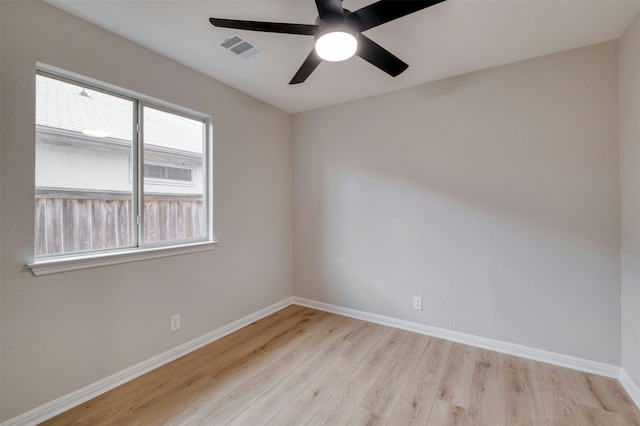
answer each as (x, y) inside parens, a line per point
(347, 397)
(613, 398)
(228, 401)
(240, 391)
(457, 378)
(168, 408)
(273, 338)
(241, 381)
(63, 419)
(384, 394)
(288, 315)
(522, 399)
(268, 405)
(558, 400)
(445, 414)
(598, 400)
(308, 338)
(127, 395)
(364, 417)
(307, 403)
(487, 404)
(582, 388)
(154, 384)
(265, 348)
(154, 413)
(414, 404)
(259, 326)
(598, 417)
(200, 391)
(363, 340)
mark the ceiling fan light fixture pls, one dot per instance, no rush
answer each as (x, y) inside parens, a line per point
(336, 44)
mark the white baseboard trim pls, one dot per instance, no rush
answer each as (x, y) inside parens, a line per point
(62, 404)
(602, 369)
(630, 386)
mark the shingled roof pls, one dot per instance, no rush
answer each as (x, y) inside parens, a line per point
(69, 107)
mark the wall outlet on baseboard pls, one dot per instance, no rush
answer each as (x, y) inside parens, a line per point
(417, 303)
(175, 323)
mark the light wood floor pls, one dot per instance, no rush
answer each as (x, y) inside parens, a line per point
(300, 366)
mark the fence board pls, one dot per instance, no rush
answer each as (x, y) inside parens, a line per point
(123, 227)
(91, 222)
(55, 231)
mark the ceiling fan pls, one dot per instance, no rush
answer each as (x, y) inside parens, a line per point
(338, 33)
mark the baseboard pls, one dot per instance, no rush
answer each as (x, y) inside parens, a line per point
(62, 404)
(602, 369)
(630, 386)
(76, 398)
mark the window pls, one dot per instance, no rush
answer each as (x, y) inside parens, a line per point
(156, 171)
(92, 194)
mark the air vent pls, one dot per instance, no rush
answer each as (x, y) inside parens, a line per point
(240, 46)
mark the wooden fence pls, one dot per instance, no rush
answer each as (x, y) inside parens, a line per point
(80, 221)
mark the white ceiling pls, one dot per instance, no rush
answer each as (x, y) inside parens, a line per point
(451, 38)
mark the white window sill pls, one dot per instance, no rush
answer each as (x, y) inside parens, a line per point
(57, 265)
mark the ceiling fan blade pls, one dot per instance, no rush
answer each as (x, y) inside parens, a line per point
(380, 57)
(385, 11)
(269, 27)
(330, 9)
(309, 64)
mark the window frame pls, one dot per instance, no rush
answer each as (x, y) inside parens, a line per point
(139, 250)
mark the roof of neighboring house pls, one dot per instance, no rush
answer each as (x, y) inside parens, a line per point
(66, 106)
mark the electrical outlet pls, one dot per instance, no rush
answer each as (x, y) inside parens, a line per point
(175, 323)
(417, 303)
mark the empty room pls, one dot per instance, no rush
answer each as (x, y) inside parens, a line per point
(299, 212)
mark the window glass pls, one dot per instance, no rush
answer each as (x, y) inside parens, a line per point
(84, 197)
(174, 206)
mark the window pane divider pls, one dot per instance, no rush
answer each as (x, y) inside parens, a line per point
(137, 187)
(139, 184)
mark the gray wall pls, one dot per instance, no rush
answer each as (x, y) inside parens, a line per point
(629, 66)
(62, 332)
(494, 195)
